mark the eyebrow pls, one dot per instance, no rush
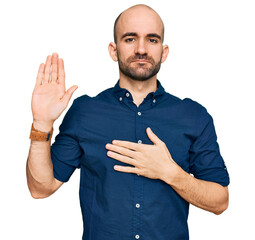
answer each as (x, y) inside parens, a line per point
(154, 35)
(127, 34)
(133, 34)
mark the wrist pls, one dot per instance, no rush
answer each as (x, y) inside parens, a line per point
(43, 126)
(172, 173)
(41, 135)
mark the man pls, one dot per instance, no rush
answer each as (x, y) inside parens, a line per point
(144, 154)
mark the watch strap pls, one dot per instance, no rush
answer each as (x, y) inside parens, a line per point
(39, 135)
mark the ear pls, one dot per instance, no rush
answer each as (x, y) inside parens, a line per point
(165, 53)
(112, 48)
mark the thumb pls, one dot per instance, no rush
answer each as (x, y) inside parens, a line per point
(152, 136)
(67, 96)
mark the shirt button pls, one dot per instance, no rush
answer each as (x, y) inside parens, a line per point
(154, 100)
(137, 205)
(139, 113)
(120, 98)
(137, 236)
(139, 141)
(127, 94)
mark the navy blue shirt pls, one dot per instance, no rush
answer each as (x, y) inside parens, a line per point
(118, 205)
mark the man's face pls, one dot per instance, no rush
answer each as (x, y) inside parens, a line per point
(139, 43)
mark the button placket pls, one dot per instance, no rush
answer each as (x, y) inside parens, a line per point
(138, 186)
(139, 141)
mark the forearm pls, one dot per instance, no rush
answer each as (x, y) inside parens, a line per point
(49, 99)
(207, 195)
(39, 168)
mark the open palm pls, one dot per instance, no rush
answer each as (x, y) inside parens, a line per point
(49, 97)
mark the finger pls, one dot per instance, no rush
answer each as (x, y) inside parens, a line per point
(122, 150)
(54, 73)
(61, 72)
(152, 136)
(67, 96)
(127, 144)
(121, 158)
(126, 169)
(40, 74)
(47, 70)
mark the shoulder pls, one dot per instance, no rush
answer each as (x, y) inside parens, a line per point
(87, 102)
(189, 110)
(82, 101)
(86, 98)
(187, 105)
(200, 114)
(194, 106)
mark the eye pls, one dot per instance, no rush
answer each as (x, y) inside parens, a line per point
(152, 40)
(129, 39)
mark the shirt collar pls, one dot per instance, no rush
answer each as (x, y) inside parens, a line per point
(120, 92)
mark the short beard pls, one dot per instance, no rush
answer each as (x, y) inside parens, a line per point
(133, 73)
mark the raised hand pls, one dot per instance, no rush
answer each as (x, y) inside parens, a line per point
(49, 97)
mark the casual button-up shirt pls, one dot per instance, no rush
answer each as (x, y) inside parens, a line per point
(117, 205)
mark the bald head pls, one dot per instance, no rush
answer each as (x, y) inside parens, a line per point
(140, 13)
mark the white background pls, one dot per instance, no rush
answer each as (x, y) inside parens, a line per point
(211, 60)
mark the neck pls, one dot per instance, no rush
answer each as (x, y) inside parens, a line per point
(138, 89)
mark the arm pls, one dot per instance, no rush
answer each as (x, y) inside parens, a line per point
(39, 168)
(207, 195)
(49, 100)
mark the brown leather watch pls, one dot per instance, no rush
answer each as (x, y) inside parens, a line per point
(40, 136)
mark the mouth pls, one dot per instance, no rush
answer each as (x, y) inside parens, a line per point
(141, 61)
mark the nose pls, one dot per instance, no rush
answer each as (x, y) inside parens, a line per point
(140, 47)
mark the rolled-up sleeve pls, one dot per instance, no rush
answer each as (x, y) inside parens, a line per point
(206, 161)
(66, 151)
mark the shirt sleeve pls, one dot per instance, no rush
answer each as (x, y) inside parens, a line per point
(205, 159)
(66, 151)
